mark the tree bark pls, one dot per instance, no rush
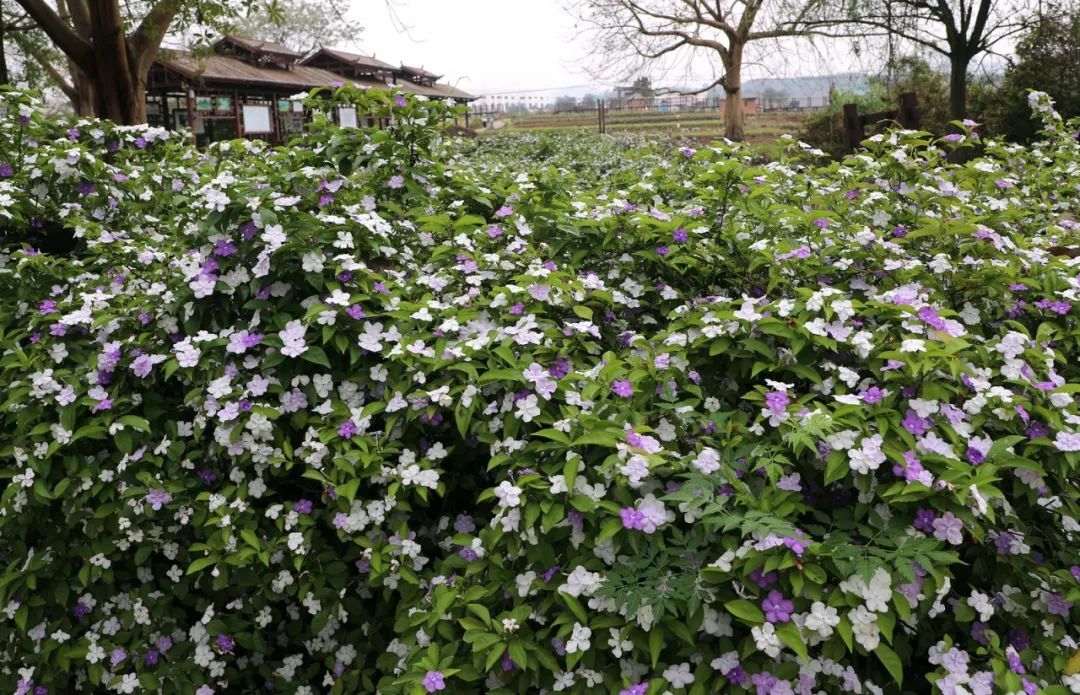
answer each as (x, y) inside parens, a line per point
(109, 68)
(734, 114)
(958, 78)
(4, 79)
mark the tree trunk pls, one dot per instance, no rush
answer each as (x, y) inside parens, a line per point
(83, 100)
(734, 116)
(958, 69)
(4, 79)
(110, 66)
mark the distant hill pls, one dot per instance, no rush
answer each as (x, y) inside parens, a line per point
(802, 87)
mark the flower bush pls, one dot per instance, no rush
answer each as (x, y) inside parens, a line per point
(383, 412)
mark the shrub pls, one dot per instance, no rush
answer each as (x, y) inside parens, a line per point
(1046, 59)
(381, 412)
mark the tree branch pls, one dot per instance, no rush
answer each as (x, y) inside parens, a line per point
(74, 46)
(144, 42)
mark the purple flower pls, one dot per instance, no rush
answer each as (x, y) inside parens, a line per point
(6, 170)
(737, 676)
(225, 643)
(118, 655)
(777, 402)
(433, 681)
(348, 429)
(632, 518)
(1056, 605)
(680, 236)
(777, 608)
(949, 528)
(1016, 665)
(302, 506)
(924, 520)
(464, 524)
(872, 395)
(504, 211)
(158, 498)
(81, 610)
(1075, 571)
(636, 689)
(915, 424)
(623, 388)
(396, 182)
(662, 250)
(151, 657)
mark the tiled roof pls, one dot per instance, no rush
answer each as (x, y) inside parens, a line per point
(256, 46)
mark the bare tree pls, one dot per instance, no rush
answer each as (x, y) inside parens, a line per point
(633, 35)
(958, 30)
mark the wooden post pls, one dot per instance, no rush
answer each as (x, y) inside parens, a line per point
(909, 111)
(854, 132)
(236, 113)
(190, 97)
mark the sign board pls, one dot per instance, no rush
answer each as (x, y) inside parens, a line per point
(257, 119)
(347, 117)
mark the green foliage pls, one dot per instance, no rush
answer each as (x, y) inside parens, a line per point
(382, 411)
(1046, 60)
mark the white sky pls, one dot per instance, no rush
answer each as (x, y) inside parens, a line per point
(531, 47)
(483, 45)
(506, 46)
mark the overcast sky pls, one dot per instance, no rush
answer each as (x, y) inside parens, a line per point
(485, 45)
(499, 46)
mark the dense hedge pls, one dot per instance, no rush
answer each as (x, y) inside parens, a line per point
(382, 413)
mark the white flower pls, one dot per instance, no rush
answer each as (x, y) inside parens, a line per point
(868, 457)
(524, 582)
(766, 640)
(708, 461)
(528, 408)
(981, 603)
(822, 619)
(913, 345)
(312, 262)
(579, 640)
(679, 675)
(581, 582)
(509, 494)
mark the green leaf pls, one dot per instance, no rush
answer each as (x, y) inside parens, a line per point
(201, 563)
(745, 611)
(575, 607)
(584, 312)
(656, 645)
(316, 355)
(892, 662)
(789, 635)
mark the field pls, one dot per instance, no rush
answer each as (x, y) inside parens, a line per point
(709, 125)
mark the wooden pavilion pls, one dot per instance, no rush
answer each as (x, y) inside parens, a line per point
(244, 88)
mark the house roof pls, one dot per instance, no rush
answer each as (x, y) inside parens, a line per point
(256, 46)
(434, 91)
(219, 68)
(351, 58)
(418, 72)
(226, 69)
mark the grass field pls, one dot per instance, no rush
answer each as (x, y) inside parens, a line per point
(760, 127)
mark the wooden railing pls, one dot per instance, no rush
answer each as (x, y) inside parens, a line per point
(907, 116)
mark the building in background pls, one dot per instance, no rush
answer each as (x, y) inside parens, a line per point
(244, 88)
